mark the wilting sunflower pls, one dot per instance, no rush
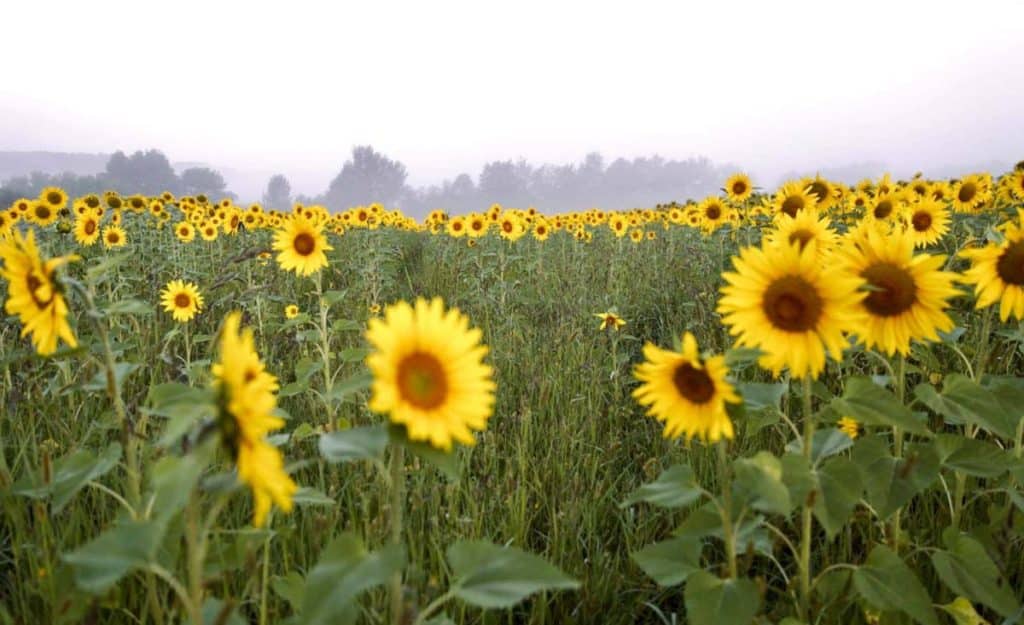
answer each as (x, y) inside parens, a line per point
(301, 246)
(793, 198)
(905, 295)
(246, 396)
(87, 229)
(185, 231)
(738, 187)
(610, 321)
(927, 221)
(428, 373)
(114, 236)
(686, 393)
(784, 301)
(34, 293)
(291, 311)
(181, 299)
(997, 272)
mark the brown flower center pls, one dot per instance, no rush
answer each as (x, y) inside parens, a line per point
(793, 204)
(693, 384)
(967, 192)
(54, 198)
(802, 236)
(819, 189)
(43, 211)
(883, 209)
(113, 237)
(1010, 265)
(713, 212)
(182, 300)
(893, 290)
(33, 283)
(739, 187)
(422, 381)
(792, 304)
(304, 244)
(90, 227)
(922, 221)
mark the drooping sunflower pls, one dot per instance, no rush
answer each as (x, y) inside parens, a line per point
(246, 396)
(610, 321)
(428, 373)
(301, 246)
(793, 198)
(87, 229)
(905, 296)
(291, 311)
(784, 301)
(738, 187)
(927, 221)
(997, 272)
(34, 292)
(686, 393)
(114, 236)
(182, 299)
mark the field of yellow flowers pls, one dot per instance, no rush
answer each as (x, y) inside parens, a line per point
(795, 406)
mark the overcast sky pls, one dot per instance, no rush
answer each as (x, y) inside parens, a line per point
(445, 86)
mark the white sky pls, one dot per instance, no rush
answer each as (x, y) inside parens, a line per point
(444, 86)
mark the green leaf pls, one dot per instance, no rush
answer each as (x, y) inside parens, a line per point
(362, 443)
(758, 482)
(670, 562)
(218, 612)
(825, 443)
(333, 297)
(129, 545)
(130, 307)
(676, 487)
(761, 395)
(871, 404)
(967, 569)
(308, 496)
(490, 576)
(966, 401)
(103, 268)
(888, 584)
(706, 521)
(343, 388)
(121, 371)
(892, 482)
(345, 325)
(839, 488)
(714, 601)
(291, 588)
(972, 456)
(353, 354)
(183, 405)
(345, 570)
(173, 479)
(70, 475)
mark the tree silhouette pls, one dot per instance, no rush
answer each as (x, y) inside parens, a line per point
(146, 172)
(367, 177)
(278, 194)
(196, 180)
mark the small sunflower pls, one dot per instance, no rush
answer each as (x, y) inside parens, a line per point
(997, 272)
(713, 214)
(114, 236)
(971, 193)
(823, 191)
(185, 231)
(42, 214)
(738, 187)
(456, 227)
(610, 321)
(927, 221)
(849, 426)
(428, 373)
(301, 246)
(686, 393)
(181, 299)
(54, 197)
(291, 311)
(87, 229)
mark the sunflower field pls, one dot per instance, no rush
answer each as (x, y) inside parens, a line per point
(793, 406)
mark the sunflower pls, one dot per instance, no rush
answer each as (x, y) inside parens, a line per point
(905, 294)
(41, 213)
(822, 190)
(738, 187)
(971, 193)
(610, 321)
(53, 197)
(428, 372)
(181, 299)
(456, 226)
(783, 300)
(291, 311)
(208, 231)
(541, 229)
(618, 225)
(804, 229)
(511, 227)
(87, 229)
(885, 207)
(997, 272)
(927, 221)
(1016, 184)
(33, 292)
(848, 426)
(301, 246)
(685, 392)
(477, 225)
(793, 198)
(636, 235)
(114, 236)
(185, 231)
(713, 213)
(246, 396)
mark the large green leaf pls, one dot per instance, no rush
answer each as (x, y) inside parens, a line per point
(345, 570)
(972, 456)
(490, 576)
(892, 482)
(889, 585)
(70, 475)
(714, 601)
(827, 442)
(839, 488)
(183, 405)
(758, 483)
(671, 561)
(173, 480)
(965, 401)
(968, 571)
(676, 487)
(362, 443)
(129, 545)
(870, 404)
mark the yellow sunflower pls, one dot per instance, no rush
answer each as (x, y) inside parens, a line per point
(185, 231)
(456, 227)
(784, 301)
(246, 396)
(87, 229)
(301, 246)
(927, 221)
(738, 187)
(54, 197)
(208, 231)
(114, 236)
(511, 227)
(971, 193)
(181, 299)
(997, 272)
(34, 293)
(849, 426)
(42, 214)
(713, 213)
(905, 295)
(804, 229)
(822, 190)
(428, 373)
(610, 321)
(793, 198)
(686, 393)
(291, 311)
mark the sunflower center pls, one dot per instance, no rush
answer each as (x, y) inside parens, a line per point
(739, 187)
(693, 384)
(304, 244)
(883, 209)
(967, 192)
(33, 283)
(893, 289)
(507, 226)
(422, 381)
(819, 189)
(922, 221)
(792, 205)
(1010, 265)
(803, 237)
(54, 198)
(90, 227)
(182, 300)
(42, 211)
(792, 304)
(113, 237)
(714, 211)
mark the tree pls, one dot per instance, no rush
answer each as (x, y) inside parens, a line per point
(196, 180)
(506, 182)
(278, 194)
(149, 173)
(368, 177)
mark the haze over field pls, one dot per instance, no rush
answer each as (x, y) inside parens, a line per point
(446, 87)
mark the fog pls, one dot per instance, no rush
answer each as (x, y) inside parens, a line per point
(446, 87)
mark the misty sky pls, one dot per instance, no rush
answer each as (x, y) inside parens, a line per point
(445, 86)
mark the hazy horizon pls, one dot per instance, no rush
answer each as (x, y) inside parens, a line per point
(447, 87)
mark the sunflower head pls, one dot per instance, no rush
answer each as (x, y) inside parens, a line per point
(301, 246)
(181, 299)
(291, 311)
(114, 236)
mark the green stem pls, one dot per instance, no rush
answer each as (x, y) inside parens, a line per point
(728, 531)
(982, 358)
(194, 545)
(325, 347)
(897, 438)
(432, 607)
(805, 514)
(397, 509)
(264, 581)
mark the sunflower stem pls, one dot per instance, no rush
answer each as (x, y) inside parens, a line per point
(325, 346)
(982, 358)
(728, 531)
(194, 545)
(897, 437)
(397, 509)
(805, 513)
